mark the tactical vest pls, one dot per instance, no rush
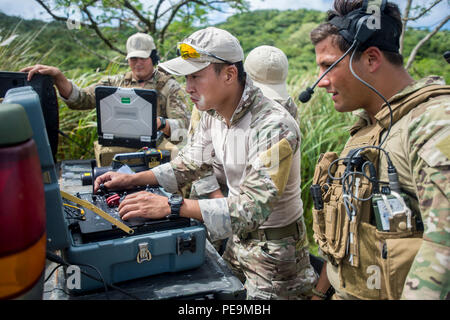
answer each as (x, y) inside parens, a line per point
(372, 264)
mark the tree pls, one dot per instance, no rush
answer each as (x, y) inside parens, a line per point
(420, 11)
(152, 17)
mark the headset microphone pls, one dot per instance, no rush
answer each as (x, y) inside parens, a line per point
(306, 95)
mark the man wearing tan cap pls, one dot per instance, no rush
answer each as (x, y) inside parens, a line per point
(258, 144)
(142, 58)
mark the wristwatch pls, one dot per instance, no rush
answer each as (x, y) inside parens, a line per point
(175, 202)
(163, 123)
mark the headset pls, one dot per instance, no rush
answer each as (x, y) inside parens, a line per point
(155, 57)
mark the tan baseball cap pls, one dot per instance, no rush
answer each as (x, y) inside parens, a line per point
(140, 45)
(268, 67)
(213, 45)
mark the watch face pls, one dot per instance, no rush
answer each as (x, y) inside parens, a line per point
(176, 199)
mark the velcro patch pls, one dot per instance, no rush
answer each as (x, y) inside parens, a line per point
(436, 152)
(277, 161)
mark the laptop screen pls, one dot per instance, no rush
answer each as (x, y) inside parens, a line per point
(126, 117)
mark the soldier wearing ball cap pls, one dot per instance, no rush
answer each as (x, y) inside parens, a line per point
(142, 59)
(258, 144)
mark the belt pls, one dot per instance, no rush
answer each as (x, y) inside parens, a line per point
(291, 230)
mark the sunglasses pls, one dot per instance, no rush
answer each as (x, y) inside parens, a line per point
(187, 51)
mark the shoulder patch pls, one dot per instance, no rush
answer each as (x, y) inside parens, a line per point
(277, 161)
(436, 152)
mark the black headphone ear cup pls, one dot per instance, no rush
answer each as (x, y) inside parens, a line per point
(155, 57)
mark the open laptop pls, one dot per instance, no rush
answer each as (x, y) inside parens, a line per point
(126, 117)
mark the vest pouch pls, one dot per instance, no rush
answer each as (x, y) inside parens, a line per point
(320, 179)
(319, 226)
(400, 254)
(337, 230)
(321, 169)
(330, 223)
(384, 262)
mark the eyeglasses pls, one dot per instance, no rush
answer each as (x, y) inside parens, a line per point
(187, 51)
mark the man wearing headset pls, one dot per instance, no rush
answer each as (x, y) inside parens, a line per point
(142, 58)
(405, 253)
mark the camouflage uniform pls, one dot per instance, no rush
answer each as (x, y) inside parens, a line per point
(418, 145)
(290, 106)
(429, 155)
(171, 103)
(260, 156)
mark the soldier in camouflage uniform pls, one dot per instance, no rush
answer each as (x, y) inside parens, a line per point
(258, 143)
(142, 57)
(403, 262)
(268, 67)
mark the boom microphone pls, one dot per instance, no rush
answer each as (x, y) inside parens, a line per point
(306, 95)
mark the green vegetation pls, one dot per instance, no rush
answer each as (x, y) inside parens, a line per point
(78, 54)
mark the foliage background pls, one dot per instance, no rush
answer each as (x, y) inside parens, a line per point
(78, 54)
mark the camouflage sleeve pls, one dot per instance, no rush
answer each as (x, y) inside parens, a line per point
(429, 134)
(205, 186)
(216, 218)
(290, 106)
(272, 144)
(177, 112)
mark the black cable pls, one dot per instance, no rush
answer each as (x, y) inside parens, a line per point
(57, 259)
(53, 271)
(99, 273)
(377, 92)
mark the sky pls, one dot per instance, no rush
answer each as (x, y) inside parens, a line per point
(30, 9)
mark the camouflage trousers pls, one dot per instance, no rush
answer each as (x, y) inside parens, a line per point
(276, 269)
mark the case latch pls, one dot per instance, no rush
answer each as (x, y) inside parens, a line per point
(143, 254)
(186, 244)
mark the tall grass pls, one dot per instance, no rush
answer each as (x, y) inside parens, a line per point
(16, 50)
(322, 129)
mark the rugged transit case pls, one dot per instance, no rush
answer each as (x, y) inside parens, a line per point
(107, 252)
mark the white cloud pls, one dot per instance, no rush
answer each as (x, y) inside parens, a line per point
(27, 9)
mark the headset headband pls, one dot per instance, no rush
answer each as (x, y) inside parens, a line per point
(369, 26)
